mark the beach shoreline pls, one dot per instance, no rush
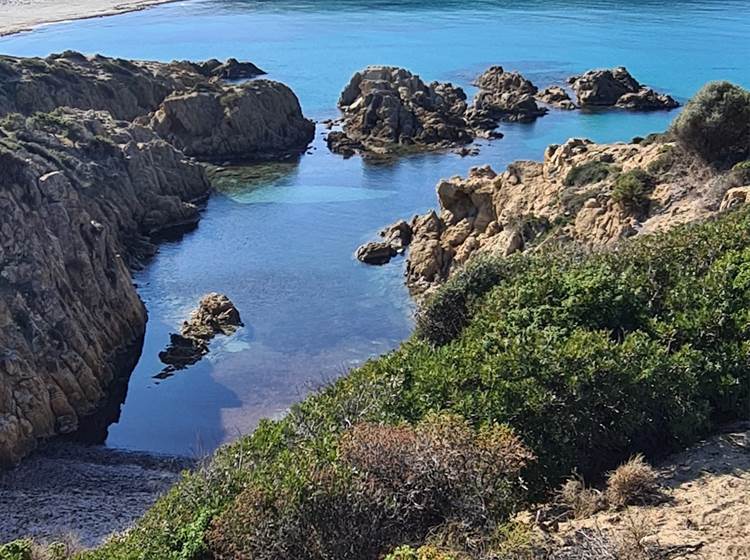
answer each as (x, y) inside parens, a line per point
(20, 16)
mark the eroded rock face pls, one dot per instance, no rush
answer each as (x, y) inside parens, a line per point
(504, 96)
(387, 108)
(81, 196)
(215, 314)
(617, 87)
(259, 119)
(534, 203)
(191, 103)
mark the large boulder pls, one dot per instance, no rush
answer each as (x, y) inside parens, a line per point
(259, 119)
(387, 109)
(617, 87)
(396, 239)
(81, 197)
(504, 96)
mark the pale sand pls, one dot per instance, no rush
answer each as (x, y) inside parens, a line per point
(708, 505)
(24, 15)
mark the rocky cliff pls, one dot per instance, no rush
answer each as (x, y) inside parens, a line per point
(191, 104)
(93, 166)
(81, 197)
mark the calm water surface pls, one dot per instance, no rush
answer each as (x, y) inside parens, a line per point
(279, 239)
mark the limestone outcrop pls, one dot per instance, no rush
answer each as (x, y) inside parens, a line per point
(215, 314)
(387, 109)
(190, 103)
(82, 197)
(617, 88)
(581, 194)
(504, 96)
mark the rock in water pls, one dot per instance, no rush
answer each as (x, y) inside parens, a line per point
(215, 314)
(617, 87)
(387, 108)
(81, 195)
(397, 237)
(503, 96)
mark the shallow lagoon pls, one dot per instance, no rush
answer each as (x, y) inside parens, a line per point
(279, 238)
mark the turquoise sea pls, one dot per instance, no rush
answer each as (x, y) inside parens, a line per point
(279, 238)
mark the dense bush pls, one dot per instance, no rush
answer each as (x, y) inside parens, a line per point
(589, 359)
(390, 484)
(631, 189)
(716, 124)
(587, 173)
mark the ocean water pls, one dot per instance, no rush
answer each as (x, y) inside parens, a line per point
(279, 238)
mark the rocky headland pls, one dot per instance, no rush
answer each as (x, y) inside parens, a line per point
(96, 167)
(582, 193)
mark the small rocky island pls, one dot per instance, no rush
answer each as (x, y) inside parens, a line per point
(99, 159)
(215, 314)
(390, 111)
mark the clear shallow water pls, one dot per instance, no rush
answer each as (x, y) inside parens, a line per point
(279, 240)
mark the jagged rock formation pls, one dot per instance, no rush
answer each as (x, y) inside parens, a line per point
(82, 195)
(215, 314)
(581, 193)
(396, 238)
(192, 106)
(387, 108)
(617, 88)
(503, 96)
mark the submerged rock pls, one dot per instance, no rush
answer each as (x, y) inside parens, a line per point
(215, 314)
(503, 96)
(617, 87)
(81, 196)
(387, 108)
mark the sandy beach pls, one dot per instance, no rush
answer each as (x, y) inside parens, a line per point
(24, 15)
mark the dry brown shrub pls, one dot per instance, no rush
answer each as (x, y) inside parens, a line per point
(634, 482)
(582, 500)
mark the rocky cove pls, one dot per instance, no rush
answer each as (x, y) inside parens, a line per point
(454, 233)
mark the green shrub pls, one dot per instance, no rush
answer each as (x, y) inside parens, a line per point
(587, 173)
(715, 124)
(16, 550)
(632, 188)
